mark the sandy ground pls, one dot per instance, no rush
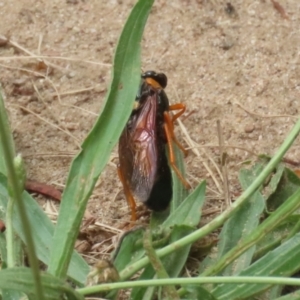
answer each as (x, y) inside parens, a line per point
(221, 60)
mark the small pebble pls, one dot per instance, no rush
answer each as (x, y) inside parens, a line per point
(249, 128)
(19, 81)
(71, 74)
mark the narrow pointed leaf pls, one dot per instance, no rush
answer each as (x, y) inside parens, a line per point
(4, 117)
(189, 211)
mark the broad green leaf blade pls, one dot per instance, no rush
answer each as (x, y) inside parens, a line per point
(21, 280)
(283, 261)
(189, 211)
(175, 261)
(242, 224)
(43, 231)
(97, 147)
(11, 295)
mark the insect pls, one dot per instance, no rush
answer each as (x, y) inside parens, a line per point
(143, 164)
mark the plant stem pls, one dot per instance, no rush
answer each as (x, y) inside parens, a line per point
(10, 234)
(188, 281)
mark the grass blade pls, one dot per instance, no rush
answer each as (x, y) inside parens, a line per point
(9, 140)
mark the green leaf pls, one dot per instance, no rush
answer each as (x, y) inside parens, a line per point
(274, 238)
(189, 211)
(128, 251)
(11, 295)
(97, 147)
(43, 231)
(21, 280)
(288, 184)
(275, 179)
(242, 223)
(283, 261)
(175, 261)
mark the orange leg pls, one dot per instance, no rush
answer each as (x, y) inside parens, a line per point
(177, 106)
(168, 127)
(171, 124)
(128, 194)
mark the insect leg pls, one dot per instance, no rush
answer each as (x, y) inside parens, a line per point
(177, 106)
(128, 194)
(168, 127)
(171, 121)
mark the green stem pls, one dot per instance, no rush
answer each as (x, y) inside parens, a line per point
(10, 234)
(219, 221)
(168, 292)
(188, 281)
(17, 195)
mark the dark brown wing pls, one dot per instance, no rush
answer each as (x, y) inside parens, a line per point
(138, 152)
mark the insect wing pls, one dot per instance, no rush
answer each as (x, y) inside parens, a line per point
(138, 149)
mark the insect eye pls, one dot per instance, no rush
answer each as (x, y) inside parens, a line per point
(162, 79)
